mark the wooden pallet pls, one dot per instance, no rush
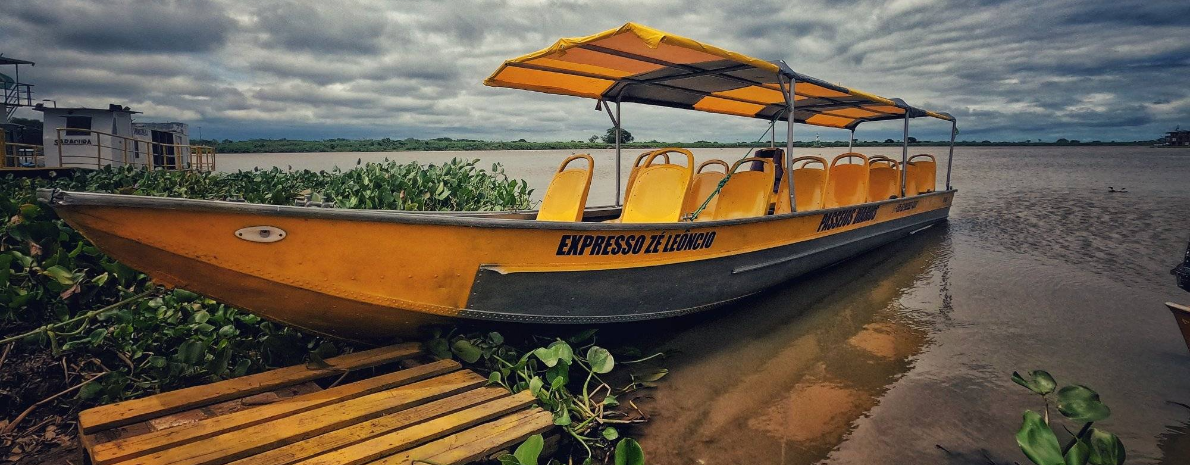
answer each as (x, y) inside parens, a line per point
(391, 405)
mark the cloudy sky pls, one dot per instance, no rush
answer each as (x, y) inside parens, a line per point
(310, 69)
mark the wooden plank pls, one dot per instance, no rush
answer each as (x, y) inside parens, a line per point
(252, 440)
(475, 443)
(136, 410)
(126, 448)
(213, 410)
(364, 431)
(423, 432)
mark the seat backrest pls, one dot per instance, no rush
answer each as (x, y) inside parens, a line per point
(701, 187)
(566, 197)
(924, 170)
(911, 172)
(884, 179)
(809, 185)
(636, 168)
(777, 155)
(659, 190)
(747, 194)
(846, 184)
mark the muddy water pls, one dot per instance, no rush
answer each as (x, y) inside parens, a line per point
(903, 355)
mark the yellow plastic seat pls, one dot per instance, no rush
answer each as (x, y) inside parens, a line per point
(747, 194)
(910, 179)
(884, 179)
(922, 174)
(809, 185)
(658, 191)
(701, 188)
(635, 168)
(846, 184)
(566, 197)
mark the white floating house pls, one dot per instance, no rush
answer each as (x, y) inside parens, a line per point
(91, 137)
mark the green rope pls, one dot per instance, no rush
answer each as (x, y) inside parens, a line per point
(730, 172)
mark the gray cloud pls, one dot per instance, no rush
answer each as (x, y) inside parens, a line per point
(1095, 69)
(123, 26)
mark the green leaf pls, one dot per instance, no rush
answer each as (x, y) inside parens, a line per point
(495, 338)
(652, 376)
(494, 377)
(1077, 455)
(467, 351)
(64, 276)
(97, 336)
(600, 359)
(1038, 442)
(314, 361)
(5, 268)
(610, 401)
(610, 433)
(190, 352)
(557, 351)
(1039, 381)
(90, 390)
(562, 416)
(559, 374)
(535, 386)
(241, 368)
(200, 317)
(528, 452)
(439, 347)
(582, 336)
(1080, 403)
(628, 452)
(1106, 448)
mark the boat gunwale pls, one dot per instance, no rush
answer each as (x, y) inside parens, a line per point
(57, 197)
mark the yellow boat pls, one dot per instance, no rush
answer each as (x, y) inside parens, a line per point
(683, 240)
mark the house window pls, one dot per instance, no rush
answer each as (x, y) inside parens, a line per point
(78, 122)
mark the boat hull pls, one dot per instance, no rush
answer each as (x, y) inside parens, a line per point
(367, 274)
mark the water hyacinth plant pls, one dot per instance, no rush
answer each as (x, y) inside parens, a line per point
(567, 381)
(1038, 440)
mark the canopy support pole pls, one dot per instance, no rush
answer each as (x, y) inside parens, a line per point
(904, 154)
(616, 127)
(954, 130)
(789, 119)
(851, 141)
(617, 194)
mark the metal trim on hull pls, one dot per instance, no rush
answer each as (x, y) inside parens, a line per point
(604, 296)
(68, 198)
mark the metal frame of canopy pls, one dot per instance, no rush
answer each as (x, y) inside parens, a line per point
(668, 70)
(787, 83)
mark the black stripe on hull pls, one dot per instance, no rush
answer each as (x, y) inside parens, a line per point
(643, 293)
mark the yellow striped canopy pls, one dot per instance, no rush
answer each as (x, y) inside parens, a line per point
(643, 65)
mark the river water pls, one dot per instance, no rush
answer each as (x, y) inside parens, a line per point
(904, 355)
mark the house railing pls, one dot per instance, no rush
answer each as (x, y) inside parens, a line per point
(18, 155)
(86, 148)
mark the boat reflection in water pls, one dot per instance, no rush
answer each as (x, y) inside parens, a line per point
(781, 377)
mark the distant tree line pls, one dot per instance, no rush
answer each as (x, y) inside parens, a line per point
(595, 142)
